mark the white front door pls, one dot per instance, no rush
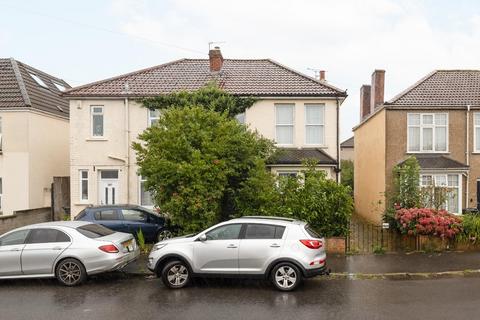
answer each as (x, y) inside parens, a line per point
(108, 192)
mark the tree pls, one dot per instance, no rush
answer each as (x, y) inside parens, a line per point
(347, 173)
(198, 162)
(406, 186)
(210, 97)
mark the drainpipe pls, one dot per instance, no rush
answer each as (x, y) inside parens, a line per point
(467, 157)
(338, 142)
(127, 147)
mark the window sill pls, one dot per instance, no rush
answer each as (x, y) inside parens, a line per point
(428, 152)
(96, 139)
(83, 204)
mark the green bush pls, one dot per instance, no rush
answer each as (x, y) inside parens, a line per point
(347, 173)
(471, 229)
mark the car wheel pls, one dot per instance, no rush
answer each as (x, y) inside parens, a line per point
(175, 275)
(164, 235)
(286, 276)
(71, 272)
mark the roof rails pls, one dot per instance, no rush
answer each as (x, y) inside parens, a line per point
(268, 218)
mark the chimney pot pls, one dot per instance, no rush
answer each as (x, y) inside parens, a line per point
(216, 59)
(322, 75)
(377, 90)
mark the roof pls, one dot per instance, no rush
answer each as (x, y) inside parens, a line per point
(297, 156)
(260, 77)
(18, 89)
(267, 220)
(64, 224)
(435, 161)
(349, 143)
(441, 89)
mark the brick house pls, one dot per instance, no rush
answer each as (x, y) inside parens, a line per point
(298, 112)
(437, 120)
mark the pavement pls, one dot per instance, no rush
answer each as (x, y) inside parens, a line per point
(401, 265)
(117, 296)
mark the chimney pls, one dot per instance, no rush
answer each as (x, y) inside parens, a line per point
(378, 89)
(365, 91)
(322, 75)
(216, 59)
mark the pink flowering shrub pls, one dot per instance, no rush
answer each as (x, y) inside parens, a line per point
(430, 222)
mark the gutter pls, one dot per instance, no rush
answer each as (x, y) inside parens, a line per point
(127, 146)
(337, 172)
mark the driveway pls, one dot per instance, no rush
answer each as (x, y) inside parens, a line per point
(119, 297)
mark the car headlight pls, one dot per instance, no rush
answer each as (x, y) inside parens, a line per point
(158, 246)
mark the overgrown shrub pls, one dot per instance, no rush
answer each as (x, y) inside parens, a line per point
(471, 229)
(428, 222)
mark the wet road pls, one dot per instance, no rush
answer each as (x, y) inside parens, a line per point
(118, 297)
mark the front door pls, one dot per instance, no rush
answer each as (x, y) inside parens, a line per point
(11, 247)
(108, 187)
(219, 253)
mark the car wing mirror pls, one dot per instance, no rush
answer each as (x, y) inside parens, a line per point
(202, 237)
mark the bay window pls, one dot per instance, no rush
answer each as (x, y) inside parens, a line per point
(449, 181)
(427, 132)
(284, 123)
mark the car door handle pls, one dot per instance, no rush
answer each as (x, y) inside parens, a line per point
(57, 248)
(232, 246)
(16, 249)
(275, 245)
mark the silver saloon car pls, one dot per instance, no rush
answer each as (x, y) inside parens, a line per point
(67, 250)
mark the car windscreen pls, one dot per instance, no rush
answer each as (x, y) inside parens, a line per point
(93, 231)
(311, 232)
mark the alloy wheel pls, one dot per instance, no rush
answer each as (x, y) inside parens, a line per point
(285, 277)
(164, 235)
(177, 275)
(70, 273)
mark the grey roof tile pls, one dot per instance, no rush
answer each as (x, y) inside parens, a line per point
(435, 161)
(261, 77)
(349, 143)
(297, 156)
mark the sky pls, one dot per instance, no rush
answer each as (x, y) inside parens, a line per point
(89, 40)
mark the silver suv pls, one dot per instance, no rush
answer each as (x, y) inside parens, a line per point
(280, 249)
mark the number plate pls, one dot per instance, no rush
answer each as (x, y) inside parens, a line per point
(129, 245)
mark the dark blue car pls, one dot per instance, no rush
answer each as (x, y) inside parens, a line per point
(130, 219)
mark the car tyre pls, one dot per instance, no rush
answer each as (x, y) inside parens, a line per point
(71, 272)
(176, 274)
(164, 235)
(286, 276)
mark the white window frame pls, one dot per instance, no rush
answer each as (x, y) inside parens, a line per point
(287, 173)
(151, 118)
(59, 86)
(434, 176)
(292, 125)
(140, 181)
(92, 113)
(475, 126)
(1, 194)
(322, 107)
(81, 180)
(421, 126)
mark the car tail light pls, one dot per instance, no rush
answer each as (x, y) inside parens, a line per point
(109, 248)
(312, 244)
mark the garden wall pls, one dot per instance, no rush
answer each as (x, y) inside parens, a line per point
(24, 217)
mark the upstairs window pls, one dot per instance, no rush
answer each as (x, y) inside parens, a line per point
(38, 80)
(97, 121)
(59, 86)
(476, 137)
(284, 123)
(153, 117)
(314, 124)
(427, 132)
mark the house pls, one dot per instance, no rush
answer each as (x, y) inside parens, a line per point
(347, 149)
(437, 120)
(298, 112)
(34, 135)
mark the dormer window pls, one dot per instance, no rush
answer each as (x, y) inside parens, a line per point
(38, 80)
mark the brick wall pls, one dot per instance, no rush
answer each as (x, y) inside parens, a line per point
(23, 218)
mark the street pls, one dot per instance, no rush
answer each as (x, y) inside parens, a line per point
(117, 296)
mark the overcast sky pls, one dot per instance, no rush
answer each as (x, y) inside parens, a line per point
(88, 40)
